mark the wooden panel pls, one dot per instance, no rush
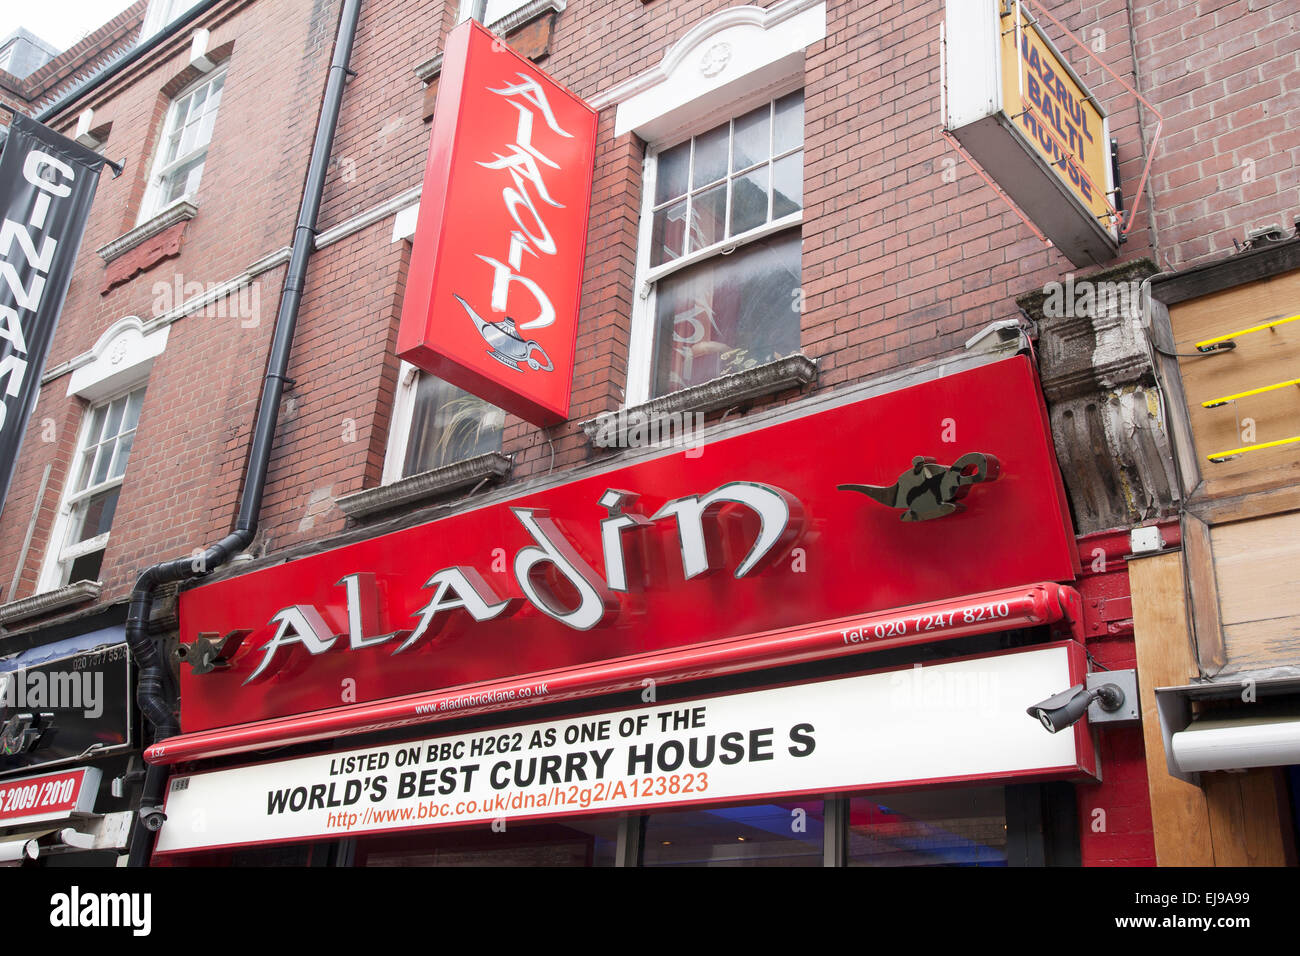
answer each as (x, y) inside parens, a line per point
(1261, 644)
(1177, 413)
(1258, 568)
(1247, 266)
(1223, 801)
(1261, 358)
(1179, 815)
(1203, 590)
(1248, 817)
(1259, 577)
(1240, 507)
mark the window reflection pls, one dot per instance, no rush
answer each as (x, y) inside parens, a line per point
(570, 842)
(727, 314)
(929, 828)
(448, 425)
(767, 834)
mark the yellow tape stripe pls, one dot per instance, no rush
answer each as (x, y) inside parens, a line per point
(1253, 328)
(1254, 391)
(1267, 444)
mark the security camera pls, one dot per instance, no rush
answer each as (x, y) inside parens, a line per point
(1065, 709)
(153, 818)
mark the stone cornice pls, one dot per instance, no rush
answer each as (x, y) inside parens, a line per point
(78, 593)
(1100, 346)
(425, 487)
(1102, 400)
(525, 14)
(170, 216)
(426, 70)
(793, 371)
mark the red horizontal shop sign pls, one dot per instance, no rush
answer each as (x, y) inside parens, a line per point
(977, 614)
(807, 520)
(496, 267)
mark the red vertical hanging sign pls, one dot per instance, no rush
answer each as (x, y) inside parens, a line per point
(495, 277)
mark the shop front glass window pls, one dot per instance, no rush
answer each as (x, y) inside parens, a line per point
(569, 842)
(280, 855)
(765, 834)
(929, 828)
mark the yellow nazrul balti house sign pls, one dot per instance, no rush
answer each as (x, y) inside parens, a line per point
(1022, 114)
(1042, 97)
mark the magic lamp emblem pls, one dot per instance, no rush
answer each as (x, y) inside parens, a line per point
(506, 345)
(929, 490)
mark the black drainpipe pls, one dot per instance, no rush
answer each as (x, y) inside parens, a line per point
(154, 692)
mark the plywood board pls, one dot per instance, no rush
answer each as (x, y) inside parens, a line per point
(1216, 511)
(1203, 590)
(1179, 815)
(1177, 414)
(1260, 358)
(1247, 817)
(1259, 575)
(1257, 563)
(1262, 644)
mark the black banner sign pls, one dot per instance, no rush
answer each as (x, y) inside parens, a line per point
(47, 183)
(64, 710)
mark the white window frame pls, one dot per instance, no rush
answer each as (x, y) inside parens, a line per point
(161, 13)
(59, 555)
(117, 364)
(153, 204)
(467, 8)
(719, 68)
(641, 347)
(400, 421)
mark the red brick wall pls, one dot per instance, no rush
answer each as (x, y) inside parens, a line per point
(1227, 83)
(187, 463)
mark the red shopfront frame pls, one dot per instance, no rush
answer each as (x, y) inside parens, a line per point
(1083, 768)
(850, 557)
(1032, 606)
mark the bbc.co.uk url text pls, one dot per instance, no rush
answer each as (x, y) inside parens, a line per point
(500, 804)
